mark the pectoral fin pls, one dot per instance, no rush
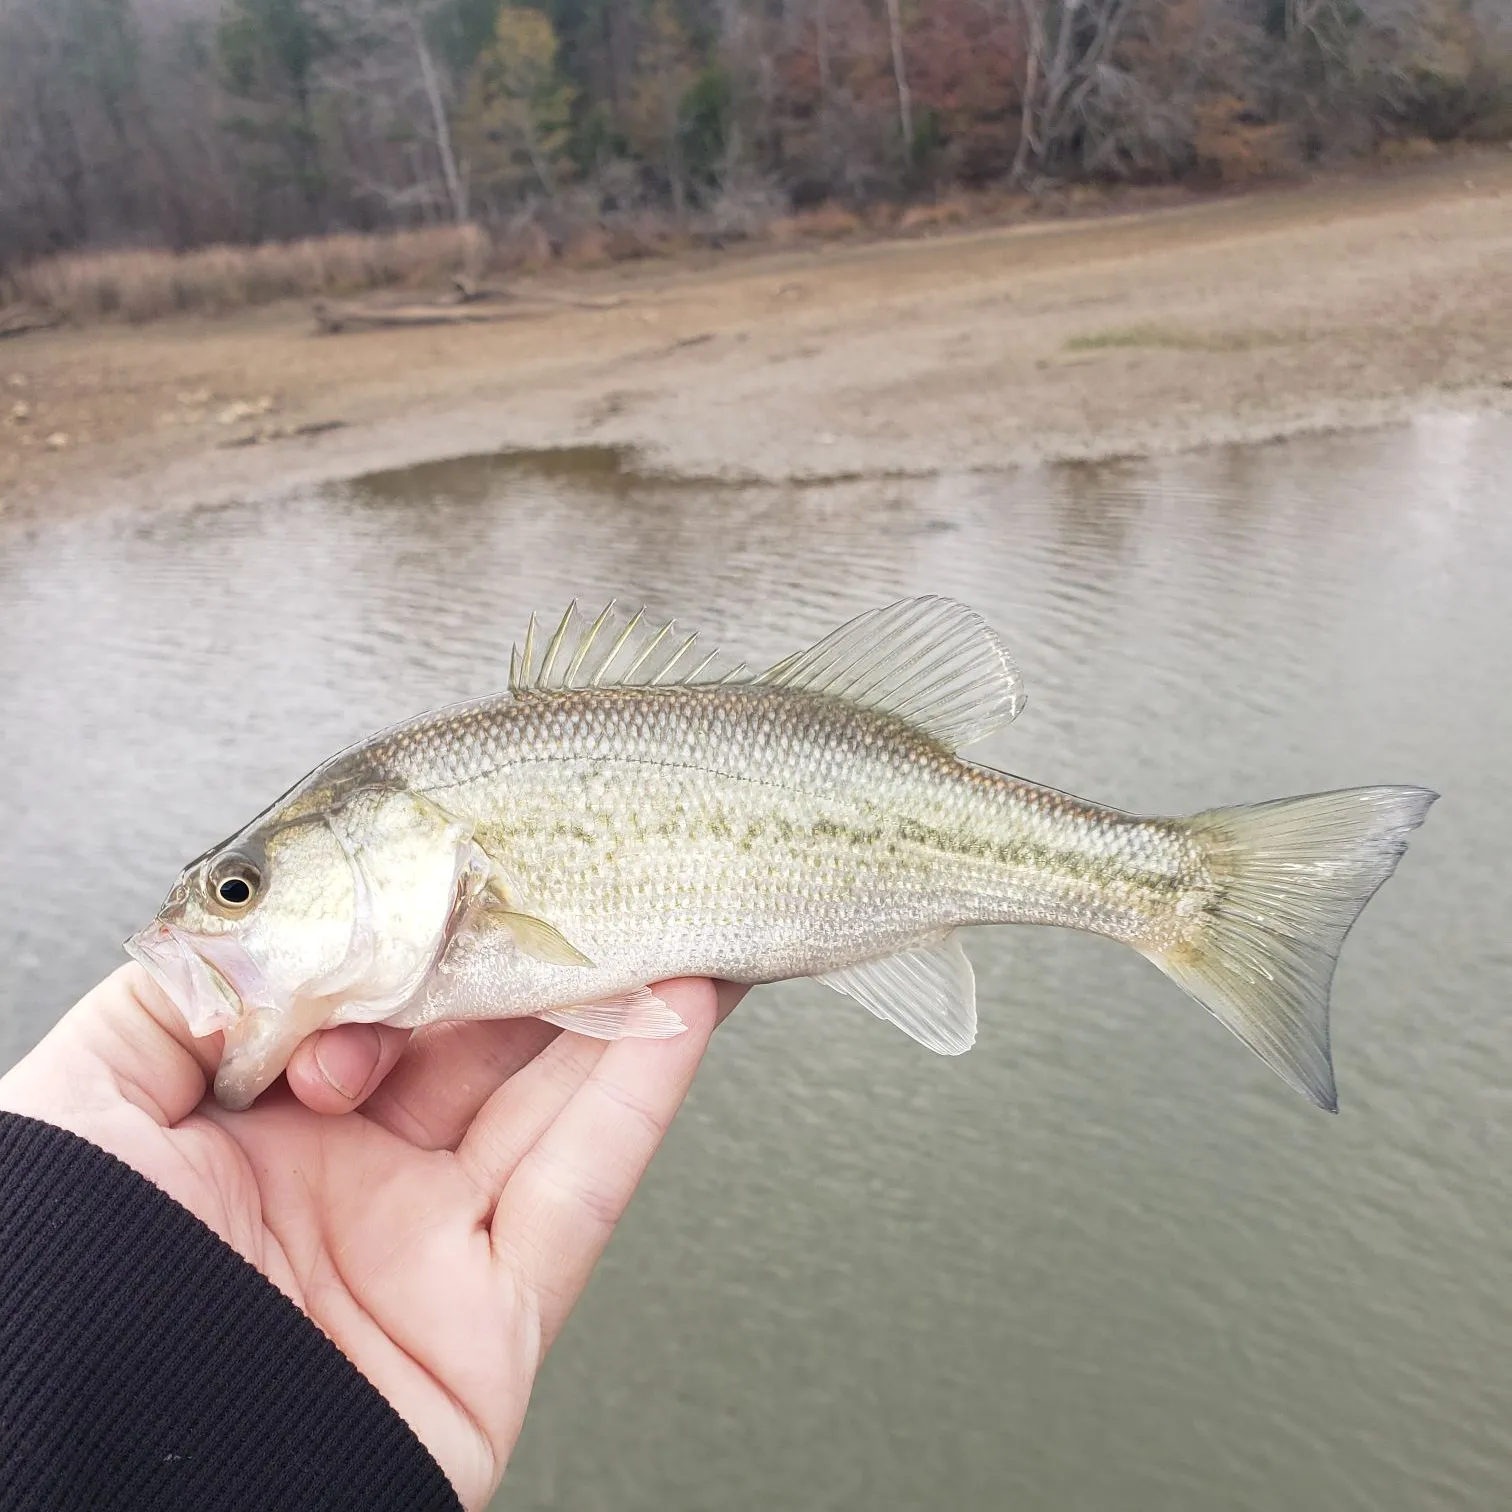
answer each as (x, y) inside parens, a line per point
(636, 1014)
(535, 936)
(929, 992)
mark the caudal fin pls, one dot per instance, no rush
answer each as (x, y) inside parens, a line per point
(1291, 877)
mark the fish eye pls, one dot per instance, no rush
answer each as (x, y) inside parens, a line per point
(233, 882)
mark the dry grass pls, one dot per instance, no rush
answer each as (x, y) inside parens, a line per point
(137, 286)
(145, 285)
(1407, 150)
(822, 223)
(956, 210)
(1234, 151)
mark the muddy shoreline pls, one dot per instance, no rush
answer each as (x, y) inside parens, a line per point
(1346, 304)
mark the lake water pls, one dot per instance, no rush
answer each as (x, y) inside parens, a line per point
(1105, 1261)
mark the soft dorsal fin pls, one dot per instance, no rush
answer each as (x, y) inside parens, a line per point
(616, 649)
(929, 992)
(930, 661)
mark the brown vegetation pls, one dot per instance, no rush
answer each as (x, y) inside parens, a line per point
(83, 288)
(603, 129)
(136, 286)
(146, 285)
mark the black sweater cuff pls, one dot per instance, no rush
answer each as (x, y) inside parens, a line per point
(145, 1365)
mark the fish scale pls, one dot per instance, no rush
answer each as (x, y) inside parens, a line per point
(750, 796)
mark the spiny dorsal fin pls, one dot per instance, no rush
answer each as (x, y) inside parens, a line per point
(614, 649)
(930, 661)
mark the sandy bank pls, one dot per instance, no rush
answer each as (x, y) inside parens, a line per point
(1336, 304)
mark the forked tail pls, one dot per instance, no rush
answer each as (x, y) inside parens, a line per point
(1290, 878)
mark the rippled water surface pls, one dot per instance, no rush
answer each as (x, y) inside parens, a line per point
(1106, 1261)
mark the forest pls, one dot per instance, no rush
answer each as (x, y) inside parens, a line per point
(180, 124)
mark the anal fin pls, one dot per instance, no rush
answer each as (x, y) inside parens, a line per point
(928, 991)
(636, 1014)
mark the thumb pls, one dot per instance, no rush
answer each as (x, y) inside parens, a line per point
(122, 1040)
(336, 1069)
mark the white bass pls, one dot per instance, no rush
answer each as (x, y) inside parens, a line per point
(634, 808)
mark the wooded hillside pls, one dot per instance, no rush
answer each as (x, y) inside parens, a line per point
(180, 123)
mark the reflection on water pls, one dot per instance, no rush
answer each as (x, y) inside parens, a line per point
(1105, 1261)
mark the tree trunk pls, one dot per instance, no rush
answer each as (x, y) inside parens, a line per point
(821, 30)
(1060, 74)
(1057, 75)
(675, 171)
(620, 32)
(1034, 24)
(538, 161)
(905, 101)
(456, 189)
(822, 58)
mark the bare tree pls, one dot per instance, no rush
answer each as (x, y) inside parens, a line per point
(430, 81)
(386, 74)
(900, 73)
(1068, 43)
(181, 122)
(1351, 69)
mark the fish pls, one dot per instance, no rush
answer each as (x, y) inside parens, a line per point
(634, 807)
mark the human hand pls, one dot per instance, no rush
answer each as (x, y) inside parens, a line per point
(434, 1202)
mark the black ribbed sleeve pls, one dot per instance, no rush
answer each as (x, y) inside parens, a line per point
(145, 1365)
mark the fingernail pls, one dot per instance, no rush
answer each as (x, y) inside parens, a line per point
(347, 1057)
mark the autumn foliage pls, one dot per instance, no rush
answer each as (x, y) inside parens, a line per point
(586, 124)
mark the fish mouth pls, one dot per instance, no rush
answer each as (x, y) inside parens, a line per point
(212, 982)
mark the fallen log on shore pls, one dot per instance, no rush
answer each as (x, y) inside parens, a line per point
(469, 291)
(471, 304)
(19, 321)
(340, 315)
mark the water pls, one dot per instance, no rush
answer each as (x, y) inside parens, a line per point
(1105, 1261)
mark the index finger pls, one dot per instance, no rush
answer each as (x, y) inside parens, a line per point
(563, 1198)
